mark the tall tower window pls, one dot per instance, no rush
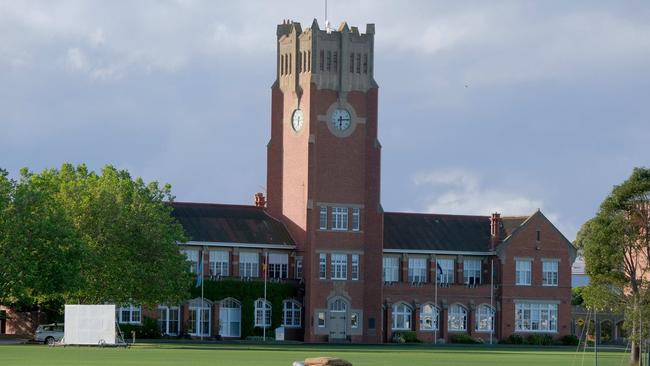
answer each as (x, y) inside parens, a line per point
(308, 60)
(290, 64)
(304, 61)
(322, 266)
(339, 218)
(321, 60)
(358, 63)
(365, 63)
(339, 266)
(286, 64)
(352, 62)
(329, 60)
(355, 267)
(281, 64)
(356, 213)
(323, 218)
(335, 60)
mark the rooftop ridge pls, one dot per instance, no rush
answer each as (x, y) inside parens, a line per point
(222, 205)
(436, 214)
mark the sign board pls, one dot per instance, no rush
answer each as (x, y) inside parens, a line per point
(279, 334)
(89, 324)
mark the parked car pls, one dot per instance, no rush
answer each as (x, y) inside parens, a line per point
(49, 333)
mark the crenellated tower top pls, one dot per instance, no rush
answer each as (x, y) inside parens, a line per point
(341, 59)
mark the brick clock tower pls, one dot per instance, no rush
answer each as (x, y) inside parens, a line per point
(323, 177)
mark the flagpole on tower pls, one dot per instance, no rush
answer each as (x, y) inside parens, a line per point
(435, 334)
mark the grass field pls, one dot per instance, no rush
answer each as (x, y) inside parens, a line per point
(284, 355)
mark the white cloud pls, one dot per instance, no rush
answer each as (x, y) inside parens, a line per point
(461, 192)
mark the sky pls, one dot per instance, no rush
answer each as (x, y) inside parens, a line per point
(484, 106)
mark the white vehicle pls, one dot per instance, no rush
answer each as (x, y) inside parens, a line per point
(49, 333)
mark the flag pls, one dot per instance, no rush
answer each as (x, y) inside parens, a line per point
(439, 272)
(199, 277)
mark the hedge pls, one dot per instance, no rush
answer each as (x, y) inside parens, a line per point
(246, 292)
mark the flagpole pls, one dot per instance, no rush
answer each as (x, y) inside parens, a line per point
(265, 268)
(492, 298)
(201, 311)
(435, 335)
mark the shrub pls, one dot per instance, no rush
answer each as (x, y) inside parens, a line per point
(539, 340)
(570, 340)
(148, 329)
(464, 339)
(408, 336)
(515, 339)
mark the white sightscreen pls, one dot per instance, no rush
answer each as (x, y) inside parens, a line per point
(89, 324)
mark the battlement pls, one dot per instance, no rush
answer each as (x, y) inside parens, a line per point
(339, 59)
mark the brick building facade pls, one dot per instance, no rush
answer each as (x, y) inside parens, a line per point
(362, 274)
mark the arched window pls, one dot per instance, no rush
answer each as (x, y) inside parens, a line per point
(429, 317)
(230, 318)
(457, 318)
(338, 305)
(484, 318)
(200, 314)
(291, 313)
(262, 313)
(401, 317)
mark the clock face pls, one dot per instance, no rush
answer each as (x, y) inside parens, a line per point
(297, 120)
(340, 119)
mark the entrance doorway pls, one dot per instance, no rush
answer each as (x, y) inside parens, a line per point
(338, 319)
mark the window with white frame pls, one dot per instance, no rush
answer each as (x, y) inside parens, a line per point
(549, 272)
(323, 218)
(321, 319)
(523, 274)
(168, 319)
(278, 265)
(230, 318)
(457, 318)
(417, 270)
(192, 256)
(339, 218)
(291, 310)
(299, 268)
(445, 270)
(129, 314)
(339, 264)
(339, 306)
(355, 267)
(535, 317)
(391, 269)
(472, 271)
(428, 317)
(262, 313)
(484, 318)
(249, 264)
(199, 318)
(401, 317)
(219, 263)
(356, 219)
(322, 266)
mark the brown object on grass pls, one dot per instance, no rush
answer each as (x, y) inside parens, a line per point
(326, 361)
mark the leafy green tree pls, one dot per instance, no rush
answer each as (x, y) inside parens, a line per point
(616, 246)
(84, 237)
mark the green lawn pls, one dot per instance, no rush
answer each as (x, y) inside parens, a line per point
(283, 355)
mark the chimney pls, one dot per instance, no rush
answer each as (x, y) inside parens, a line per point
(260, 201)
(495, 230)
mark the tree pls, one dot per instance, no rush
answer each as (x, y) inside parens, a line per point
(616, 246)
(90, 238)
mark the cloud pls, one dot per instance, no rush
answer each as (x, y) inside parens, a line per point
(462, 192)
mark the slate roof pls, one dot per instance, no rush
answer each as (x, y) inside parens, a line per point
(435, 232)
(221, 223)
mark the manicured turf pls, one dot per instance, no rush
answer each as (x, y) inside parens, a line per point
(283, 355)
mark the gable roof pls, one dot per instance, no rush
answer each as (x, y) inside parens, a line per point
(434, 232)
(218, 223)
(573, 252)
